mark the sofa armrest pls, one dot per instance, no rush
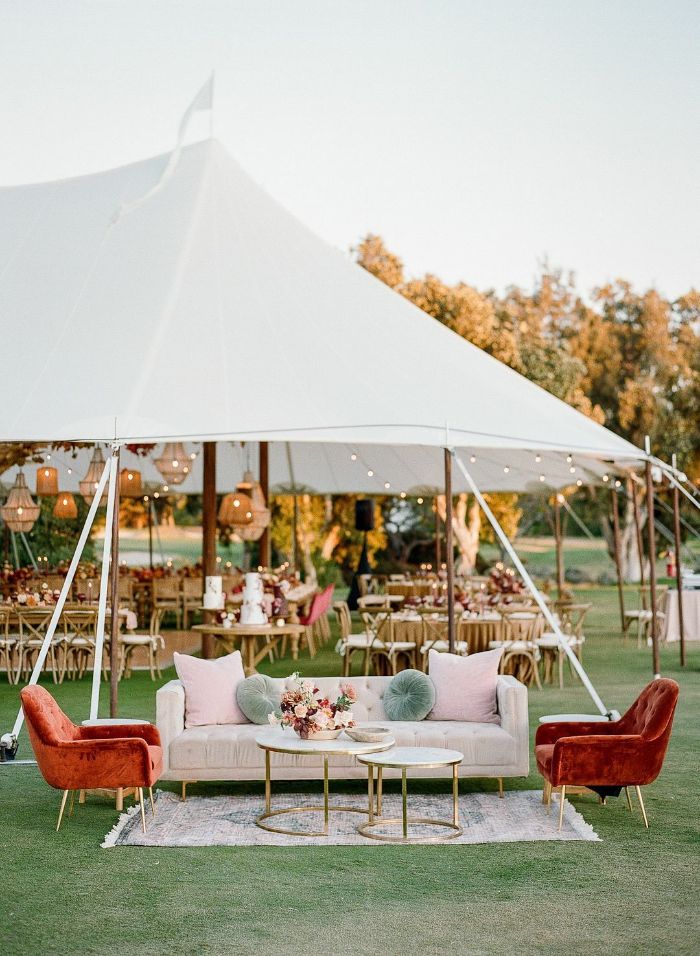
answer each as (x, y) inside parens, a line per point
(511, 697)
(170, 715)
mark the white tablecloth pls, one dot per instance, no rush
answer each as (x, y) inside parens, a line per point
(691, 616)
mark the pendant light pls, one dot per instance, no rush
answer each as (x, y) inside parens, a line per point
(88, 486)
(65, 507)
(174, 463)
(253, 528)
(130, 485)
(235, 511)
(46, 481)
(19, 511)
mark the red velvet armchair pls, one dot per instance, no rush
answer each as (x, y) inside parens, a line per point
(84, 758)
(609, 757)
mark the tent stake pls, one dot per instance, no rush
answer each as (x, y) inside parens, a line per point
(618, 559)
(449, 552)
(208, 533)
(679, 576)
(114, 614)
(520, 567)
(651, 540)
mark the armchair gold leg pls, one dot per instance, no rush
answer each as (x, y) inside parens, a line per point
(72, 802)
(60, 812)
(562, 798)
(153, 806)
(547, 794)
(143, 812)
(641, 804)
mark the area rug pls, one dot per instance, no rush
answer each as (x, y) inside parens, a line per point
(230, 820)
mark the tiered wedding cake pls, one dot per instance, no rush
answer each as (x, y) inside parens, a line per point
(253, 611)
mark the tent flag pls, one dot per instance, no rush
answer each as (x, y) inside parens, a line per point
(204, 100)
(549, 617)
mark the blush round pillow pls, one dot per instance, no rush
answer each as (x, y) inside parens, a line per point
(409, 696)
(258, 696)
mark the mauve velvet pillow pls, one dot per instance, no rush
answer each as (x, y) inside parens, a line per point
(465, 687)
(210, 689)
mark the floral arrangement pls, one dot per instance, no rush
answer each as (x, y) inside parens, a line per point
(308, 714)
(504, 580)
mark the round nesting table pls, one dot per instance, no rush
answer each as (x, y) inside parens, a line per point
(404, 759)
(286, 742)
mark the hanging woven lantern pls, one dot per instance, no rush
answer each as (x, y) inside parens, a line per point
(254, 528)
(174, 463)
(88, 486)
(130, 485)
(65, 507)
(19, 511)
(235, 511)
(46, 481)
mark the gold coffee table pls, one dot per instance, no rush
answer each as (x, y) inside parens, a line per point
(281, 741)
(404, 759)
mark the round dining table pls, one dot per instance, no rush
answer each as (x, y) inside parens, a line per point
(256, 640)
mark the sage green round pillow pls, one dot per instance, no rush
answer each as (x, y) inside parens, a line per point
(257, 696)
(409, 696)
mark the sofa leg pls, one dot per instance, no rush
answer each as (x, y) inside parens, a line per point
(562, 798)
(60, 812)
(641, 804)
(500, 787)
(184, 790)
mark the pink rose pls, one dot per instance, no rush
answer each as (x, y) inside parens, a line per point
(301, 711)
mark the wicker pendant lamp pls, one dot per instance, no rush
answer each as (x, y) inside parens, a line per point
(235, 511)
(130, 484)
(65, 507)
(174, 463)
(19, 511)
(254, 528)
(88, 486)
(46, 481)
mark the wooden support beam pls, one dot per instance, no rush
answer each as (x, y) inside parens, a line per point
(638, 530)
(618, 559)
(264, 473)
(449, 553)
(438, 542)
(208, 532)
(558, 546)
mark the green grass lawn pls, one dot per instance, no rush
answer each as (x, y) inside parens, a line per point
(635, 892)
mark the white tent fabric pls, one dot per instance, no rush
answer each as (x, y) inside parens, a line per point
(337, 468)
(209, 312)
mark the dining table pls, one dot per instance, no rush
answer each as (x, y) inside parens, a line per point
(691, 616)
(255, 640)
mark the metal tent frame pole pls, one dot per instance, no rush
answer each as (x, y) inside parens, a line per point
(558, 546)
(114, 622)
(651, 543)
(65, 591)
(679, 575)
(449, 552)
(618, 560)
(549, 617)
(104, 579)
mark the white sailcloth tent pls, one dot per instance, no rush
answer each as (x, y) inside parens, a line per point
(178, 301)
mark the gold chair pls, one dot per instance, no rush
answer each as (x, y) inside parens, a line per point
(382, 651)
(167, 597)
(152, 643)
(434, 636)
(643, 614)
(8, 643)
(79, 634)
(521, 654)
(192, 590)
(33, 624)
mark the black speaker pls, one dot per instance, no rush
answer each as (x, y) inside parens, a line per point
(364, 514)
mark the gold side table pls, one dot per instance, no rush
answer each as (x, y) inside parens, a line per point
(404, 759)
(286, 742)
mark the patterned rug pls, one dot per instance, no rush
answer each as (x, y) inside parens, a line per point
(230, 820)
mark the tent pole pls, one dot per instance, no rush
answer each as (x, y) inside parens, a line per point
(520, 567)
(558, 546)
(150, 533)
(104, 578)
(114, 598)
(449, 552)
(679, 575)
(438, 543)
(638, 531)
(264, 477)
(208, 533)
(618, 559)
(32, 559)
(15, 550)
(65, 591)
(651, 540)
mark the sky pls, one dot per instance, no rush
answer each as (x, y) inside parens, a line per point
(480, 139)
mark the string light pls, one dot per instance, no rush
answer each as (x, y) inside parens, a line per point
(538, 458)
(370, 473)
(387, 484)
(542, 478)
(353, 457)
(606, 477)
(569, 459)
(472, 459)
(618, 484)
(572, 470)
(579, 482)
(403, 494)
(506, 469)
(419, 500)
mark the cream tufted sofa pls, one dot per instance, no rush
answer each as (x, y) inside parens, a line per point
(229, 751)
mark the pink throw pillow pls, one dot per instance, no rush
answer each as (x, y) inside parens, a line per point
(465, 687)
(210, 689)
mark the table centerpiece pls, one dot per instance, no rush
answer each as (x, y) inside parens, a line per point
(311, 716)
